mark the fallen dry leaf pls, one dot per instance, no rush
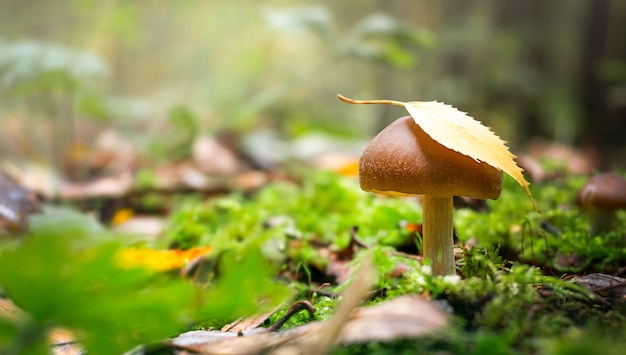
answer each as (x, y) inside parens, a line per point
(212, 157)
(110, 186)
(39, 179)
(611, 287)
(344, 163)
(16, 204)
(250, 180)
(63, 342)
(8, 308)
(248, 323)
(569, 160)
(401, 318)
(147, 227)
(113, 151)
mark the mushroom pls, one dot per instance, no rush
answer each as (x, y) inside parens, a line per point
(603, 194)
(403, 160)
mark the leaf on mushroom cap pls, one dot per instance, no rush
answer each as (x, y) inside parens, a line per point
(456, 130)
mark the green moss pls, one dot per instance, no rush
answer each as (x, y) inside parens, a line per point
(504, 299)
(560, 230)
(323, 210)
(508, 297)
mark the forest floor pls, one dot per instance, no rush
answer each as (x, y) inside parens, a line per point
(228, 252)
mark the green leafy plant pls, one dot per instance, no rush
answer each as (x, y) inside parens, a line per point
(377, 38)
(50, 80)
(67, 273)
(69, 284)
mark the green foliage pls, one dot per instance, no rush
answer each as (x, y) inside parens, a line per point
(72, 282)
(8, 331)
(324, 310)
(174, 140)
(66, 274)
(380, 38)
(562, 229)
(481, 262)
(50, 80)
(283, 211)
(377, 38)
(494, 227)
(240, 290)
(30, 67)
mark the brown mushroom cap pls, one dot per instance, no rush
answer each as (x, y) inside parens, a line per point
(604, 191)
(402, 159)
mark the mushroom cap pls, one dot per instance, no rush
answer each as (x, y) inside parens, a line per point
(403, 160)
(604, 191)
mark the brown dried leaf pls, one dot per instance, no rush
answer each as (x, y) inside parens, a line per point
(110, 186)
(63, 342)
(16, 204)
(212, 157)
(609, 286)
(401, 318)
(248, 323)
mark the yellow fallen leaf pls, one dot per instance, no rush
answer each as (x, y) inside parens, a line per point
(456, 130)
(122, 215)
(350, 169)
(158, 260)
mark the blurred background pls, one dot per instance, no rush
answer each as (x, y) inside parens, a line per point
(152, 77)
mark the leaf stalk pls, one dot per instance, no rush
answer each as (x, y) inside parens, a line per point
(370, 102)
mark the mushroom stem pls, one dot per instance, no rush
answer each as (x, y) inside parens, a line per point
(438, 243)
(602, 221)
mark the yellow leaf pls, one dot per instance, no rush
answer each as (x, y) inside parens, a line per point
(158, 260)
(350, 169)
(456, 130)
(122, 215)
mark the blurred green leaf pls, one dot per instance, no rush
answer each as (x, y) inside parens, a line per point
(299, 19)
(66, 221)
(74, 262)
(382, 25)
(174, 139)
(28, 66)
(73, 281)
(244, 287)
(8, 331)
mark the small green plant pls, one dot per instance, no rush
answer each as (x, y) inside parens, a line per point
(50, 80)
(481, 262)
